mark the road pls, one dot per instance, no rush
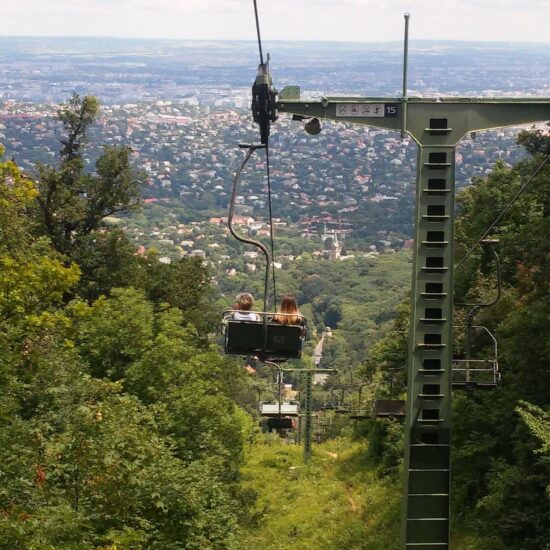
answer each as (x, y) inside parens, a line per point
(319, 378)
(318, 353)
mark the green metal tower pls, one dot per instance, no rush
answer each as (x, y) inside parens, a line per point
(436, 125)
(307, 419)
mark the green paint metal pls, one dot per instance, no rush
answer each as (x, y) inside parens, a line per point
(436, 125)
(307, 423)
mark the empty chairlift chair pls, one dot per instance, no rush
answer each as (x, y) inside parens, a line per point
(288, 408)
(389, 408)
(470, 373)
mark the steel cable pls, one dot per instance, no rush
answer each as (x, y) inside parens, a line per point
(506, 208)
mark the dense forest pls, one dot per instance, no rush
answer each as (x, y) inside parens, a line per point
(119, 426)
(500, 453)
(122, 426)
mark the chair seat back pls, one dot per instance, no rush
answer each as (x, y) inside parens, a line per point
(247, 338)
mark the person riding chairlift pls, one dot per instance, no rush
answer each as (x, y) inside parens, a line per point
(244, 305)
(288, 313)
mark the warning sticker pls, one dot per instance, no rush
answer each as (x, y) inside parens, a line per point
(370, 110)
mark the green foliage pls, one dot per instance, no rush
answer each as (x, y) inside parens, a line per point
(109, 260)
(114, 332)
(76, 117)
(118, 423)
(538, 421)
(71, 203)
(337, 502)
(386, 446)
(535, 141)
(184, 284)
(500, 484)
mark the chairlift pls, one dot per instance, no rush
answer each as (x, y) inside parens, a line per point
(389, 408)
(268, 340)
(280, 416)
(470, 373)
(286, 408)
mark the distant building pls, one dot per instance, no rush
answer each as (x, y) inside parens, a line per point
(333, 249)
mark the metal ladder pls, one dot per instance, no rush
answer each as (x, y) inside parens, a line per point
(427, 461)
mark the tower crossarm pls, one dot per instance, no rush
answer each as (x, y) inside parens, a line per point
(427, 119)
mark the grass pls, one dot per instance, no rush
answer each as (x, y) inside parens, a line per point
(336, 502)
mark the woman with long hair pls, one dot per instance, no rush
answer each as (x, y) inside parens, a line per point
(288, 313)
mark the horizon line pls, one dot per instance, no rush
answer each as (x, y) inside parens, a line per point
(240, 40)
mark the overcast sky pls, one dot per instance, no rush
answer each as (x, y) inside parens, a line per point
(348, 20)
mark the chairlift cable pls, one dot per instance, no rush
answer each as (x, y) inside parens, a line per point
(263, 118)
(506, 208)
(269, 341)
(249, 153)
(271, 236)
(258, 32)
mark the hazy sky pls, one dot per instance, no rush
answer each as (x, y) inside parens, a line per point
(354, 20)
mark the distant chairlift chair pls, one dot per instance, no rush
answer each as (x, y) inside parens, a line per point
(390, 408)
(281, 417)
(470, 373)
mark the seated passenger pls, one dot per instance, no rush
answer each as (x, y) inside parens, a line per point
(289, 314)
(244, 305)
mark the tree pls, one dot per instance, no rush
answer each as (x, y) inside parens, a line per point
(184, 284)
(118, 426)
(499, 484)
(72, 204)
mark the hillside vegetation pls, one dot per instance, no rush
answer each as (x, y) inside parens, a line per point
(122, 426)
(337, 501)
(118, 422)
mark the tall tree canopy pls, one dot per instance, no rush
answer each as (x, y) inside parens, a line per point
(118, 421)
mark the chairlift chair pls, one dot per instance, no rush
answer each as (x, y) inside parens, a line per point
(389, 408)
(287, 408)
(470, 374)
(266, 339)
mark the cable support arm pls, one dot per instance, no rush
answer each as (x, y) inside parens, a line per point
(251, 149)
(388, 112)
